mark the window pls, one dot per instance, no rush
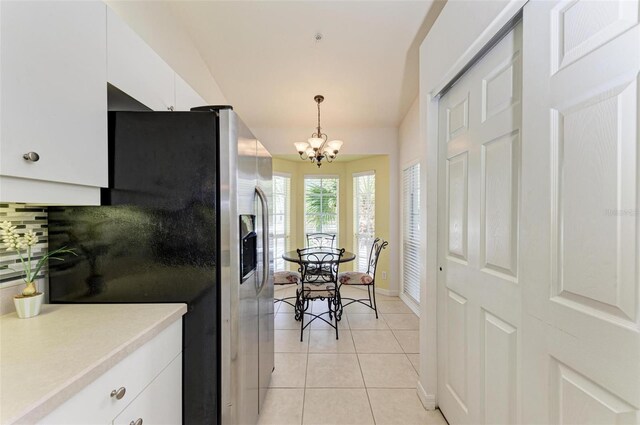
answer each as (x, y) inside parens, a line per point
(281, 218)
(411, 232)
(364, 216)
(321, 205)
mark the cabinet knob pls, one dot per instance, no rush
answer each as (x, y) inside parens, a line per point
(136, 422)
(170, 108)
(119, 393)
(31, 156)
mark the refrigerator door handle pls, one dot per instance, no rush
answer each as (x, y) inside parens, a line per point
(265, 237)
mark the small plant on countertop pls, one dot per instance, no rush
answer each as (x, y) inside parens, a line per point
(21, 244)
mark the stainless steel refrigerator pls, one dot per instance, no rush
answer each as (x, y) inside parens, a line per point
(185, 219)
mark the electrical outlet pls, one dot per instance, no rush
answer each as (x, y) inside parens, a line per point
(384, 275)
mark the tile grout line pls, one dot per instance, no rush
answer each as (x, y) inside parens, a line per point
(364, 382)
(306, 373)
(405, 353)
(281, 312)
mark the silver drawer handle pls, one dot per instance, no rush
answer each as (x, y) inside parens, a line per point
(136, 422)
(119, 393)
(31, 156)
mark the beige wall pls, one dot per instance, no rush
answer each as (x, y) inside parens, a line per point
(380, 164)
(157, 25)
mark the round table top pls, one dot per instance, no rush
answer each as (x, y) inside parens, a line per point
(293, 256)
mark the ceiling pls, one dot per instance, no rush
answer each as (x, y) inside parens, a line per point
(265, 58)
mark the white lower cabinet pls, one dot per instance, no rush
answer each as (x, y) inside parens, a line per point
(147, 385)
(160, 402)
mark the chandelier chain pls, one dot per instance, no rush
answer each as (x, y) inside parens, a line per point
(318, 119)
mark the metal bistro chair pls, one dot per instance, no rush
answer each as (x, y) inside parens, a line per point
(367, 279)
(321, 240)
(321, 286)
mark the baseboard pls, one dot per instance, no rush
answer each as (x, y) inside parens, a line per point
(428, 400)
(411, 304)
(381, 291)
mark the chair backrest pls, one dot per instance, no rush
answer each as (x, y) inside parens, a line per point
(319, 265)
(376, 248)
(321, 240)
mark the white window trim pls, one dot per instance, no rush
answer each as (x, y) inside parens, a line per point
(354, 213)
(364, 173)
(287, 237)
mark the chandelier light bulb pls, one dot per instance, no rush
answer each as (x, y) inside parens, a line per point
(301, 147)
(315, 142)
(335, 145)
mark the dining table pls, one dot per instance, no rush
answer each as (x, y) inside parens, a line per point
(292, 256)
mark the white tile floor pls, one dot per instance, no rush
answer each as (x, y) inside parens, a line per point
(368, 376)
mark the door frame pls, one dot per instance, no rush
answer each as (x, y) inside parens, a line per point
(461, 35)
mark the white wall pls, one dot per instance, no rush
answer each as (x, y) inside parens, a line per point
(155, 23)
(409, 147)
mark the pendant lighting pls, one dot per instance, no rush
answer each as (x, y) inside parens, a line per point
(317, 148)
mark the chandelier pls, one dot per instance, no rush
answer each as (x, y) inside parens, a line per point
(317, 148)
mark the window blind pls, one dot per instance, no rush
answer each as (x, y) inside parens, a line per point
(281, 218)
(321, 205)
(364, 217)
(411, 232)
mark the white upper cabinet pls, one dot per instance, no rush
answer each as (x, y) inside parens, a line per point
(186, 97)
(53, 65)
(134, 68)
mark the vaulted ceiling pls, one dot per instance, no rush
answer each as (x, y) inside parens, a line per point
(266, 60)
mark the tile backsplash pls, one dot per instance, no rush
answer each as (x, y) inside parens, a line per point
(25, 217)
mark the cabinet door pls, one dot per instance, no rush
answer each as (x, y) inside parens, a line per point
(186, 97)
(53, 91)
(134, 68)
(161, 402)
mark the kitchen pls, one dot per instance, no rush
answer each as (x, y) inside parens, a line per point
(155, 238)
(155, 189)
(128, 249)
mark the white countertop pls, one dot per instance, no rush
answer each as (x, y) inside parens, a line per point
(47, 359)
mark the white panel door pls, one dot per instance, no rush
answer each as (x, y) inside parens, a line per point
(579, 235)
(479, 293)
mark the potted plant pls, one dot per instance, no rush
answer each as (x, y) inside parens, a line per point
(27, 303)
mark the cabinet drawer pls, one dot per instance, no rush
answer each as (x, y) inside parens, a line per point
(160, 403)
(94, 404)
